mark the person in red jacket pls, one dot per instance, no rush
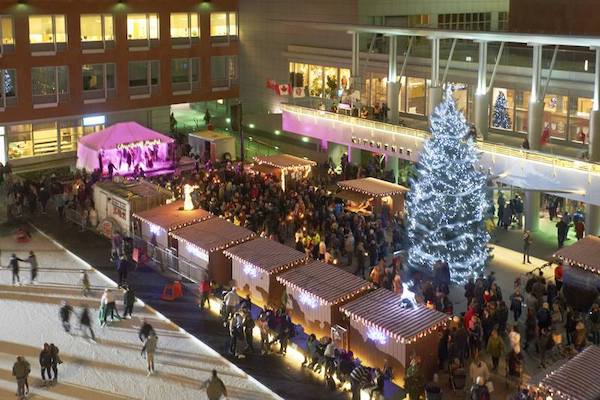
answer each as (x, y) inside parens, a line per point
(558, 276)
(204, 288)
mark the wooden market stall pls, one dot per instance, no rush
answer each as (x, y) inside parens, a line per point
(286, 167)
(581, 275)
(575, 379)
(365, 195)
(315, 292)
(256, 263)
(202, 245)
(154, 225)
(116, 202)
(212, 145)
(384, 326)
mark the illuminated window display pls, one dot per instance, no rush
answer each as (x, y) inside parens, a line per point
(315, 80)
(331, 82)
(223, 24)
(555, 115)
(6, 26)
(345, 78)
(185, 25)
(142, 26)
(498, 96)
(579, 119)
(96, 28)
(45, 139)
(20, 143)
(416, 89)
(47, 29)
(521, 110)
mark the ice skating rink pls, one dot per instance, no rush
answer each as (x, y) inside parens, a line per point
(112, 368)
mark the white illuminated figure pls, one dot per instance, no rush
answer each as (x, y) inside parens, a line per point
(188, 204)
(407, 295)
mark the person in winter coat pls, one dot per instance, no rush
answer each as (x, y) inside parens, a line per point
(204, 289)
(516, 304)
(215, 389)
(33, 264)
(544, 318)
(65, 316)
(54, 352)
(495, 348)
(502, 317)
(595, 324)
(231, 301)
(149, 349)
(414, 380)
(580, 336)
(108, 303)
(514, 338)
(530, 328)
(85, 283)
(128, 301)
(46, 364)
(85, 322)
(443, 349)
(248, 329)
(21, 369)
(13, 264)
(479, 368)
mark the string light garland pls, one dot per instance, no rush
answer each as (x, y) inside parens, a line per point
(449, 200)
(172, 228)
(276, 270)
(220, 247)
(352, 187)
(303, 164)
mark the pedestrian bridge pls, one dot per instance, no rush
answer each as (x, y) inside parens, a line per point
(530, 170)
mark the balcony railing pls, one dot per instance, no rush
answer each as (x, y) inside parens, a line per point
(491, 148)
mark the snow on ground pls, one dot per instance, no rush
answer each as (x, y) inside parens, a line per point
(112, 368)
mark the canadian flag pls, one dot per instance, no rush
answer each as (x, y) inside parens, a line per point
(298, 92)
(284, 90)
(271, 84)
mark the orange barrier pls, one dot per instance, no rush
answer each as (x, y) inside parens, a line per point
(172, 291)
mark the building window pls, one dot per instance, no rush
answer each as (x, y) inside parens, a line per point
(49, 85)
(415, 93)
(315, 80)
(185, 25)
(96, 30)
(345, 78)
(45, 138)
(20, 143)
(7, 33)
(223, 24)
(465, 22)
(185, 75)
(142, 29)
(98, 82)
(503, 21)
(71, 130)
(579, 119)
(418, 21)
(521, 110)
(47, 33)
(502, 115)
(8, 88)
(331, 82)
(555, 115)
(144, 78)
(223, 72)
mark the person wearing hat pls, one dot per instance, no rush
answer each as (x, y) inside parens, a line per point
(544, 317)
(21, 369)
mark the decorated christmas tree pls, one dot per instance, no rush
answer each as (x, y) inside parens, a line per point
(501, 117)
(448, 200)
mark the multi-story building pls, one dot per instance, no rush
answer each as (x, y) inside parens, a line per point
(68, 68)
(574, 17)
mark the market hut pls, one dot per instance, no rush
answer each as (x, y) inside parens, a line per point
(286, 167)
(365, 195)
(386, 326)
(154, 225)
(202, 245)
(125, 145)
(581, 276)
(256, 263)
(315, 292)
(212, 145)
(575, 379)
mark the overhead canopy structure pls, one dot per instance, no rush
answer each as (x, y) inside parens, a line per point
(372, 187)
(266, 255)
(284, 161)
(576, 379)
(172, 216)
(584, 253)
(328, 284)
(125, 145)
(383, 310)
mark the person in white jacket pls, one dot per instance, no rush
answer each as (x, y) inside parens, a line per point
(149, 349)
(108, 303)
(231, 301)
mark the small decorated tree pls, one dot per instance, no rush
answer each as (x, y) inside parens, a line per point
(448, 201)
(501, 117)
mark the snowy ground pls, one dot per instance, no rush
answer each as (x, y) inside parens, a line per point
(112, 368)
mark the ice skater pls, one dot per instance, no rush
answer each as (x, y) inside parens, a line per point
(108, 302)
(13, 264)
(33, 263)
(65, 316)
(215, 388)
(20, 371)
(85, 283)
(149, 349)
(128, 301)
(46, 364)
(86, 322)
(145, 331)
(55, 361)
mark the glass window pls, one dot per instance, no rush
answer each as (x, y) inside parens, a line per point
(503, 108)
(20, 143)
(47, 81)
(301, 74)
(219, 24)
(70, 131)
(402, 94)
(521, 110)
(555, 115)
(331, 82)
(142, 26)
(184, 25)
(45, 138)
(8, 34)
(415, 93)
(315, 80)
(47, 29)
(579, 118)
(9, 82)
(345, 78)
(459, 92)
(94, 30)
(223, 71)
(184, 69)
(95, 77)
(142, 71)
